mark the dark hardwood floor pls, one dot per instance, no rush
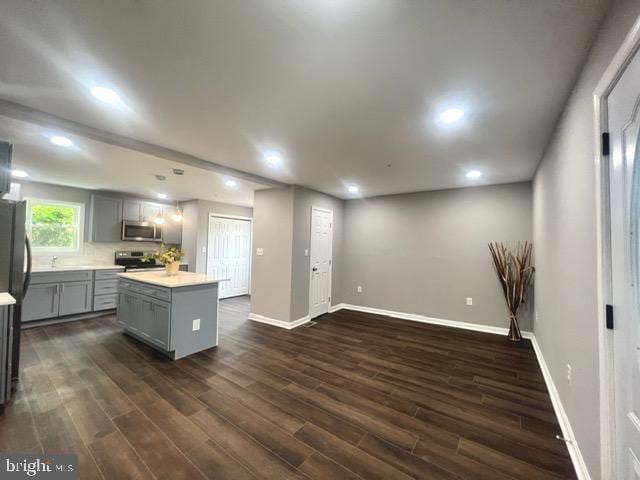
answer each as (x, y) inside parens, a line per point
(353, 396)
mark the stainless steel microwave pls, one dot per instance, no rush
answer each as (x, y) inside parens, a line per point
(141, 231)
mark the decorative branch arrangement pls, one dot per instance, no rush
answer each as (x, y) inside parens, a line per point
(515, 272)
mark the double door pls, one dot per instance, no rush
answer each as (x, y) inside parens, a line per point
(146, 317)
(50, 300)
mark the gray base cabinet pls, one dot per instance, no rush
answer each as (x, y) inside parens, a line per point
(6, 336)
(177, 321)
(71, 292)
(75, 297)
(41, 302)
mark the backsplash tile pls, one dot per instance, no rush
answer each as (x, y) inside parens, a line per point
(94, 254)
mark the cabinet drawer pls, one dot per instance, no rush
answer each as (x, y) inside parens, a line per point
(103, 287)
(160, 293)
(105, 302)
(61, 277)
(157, 292)
(107, 274)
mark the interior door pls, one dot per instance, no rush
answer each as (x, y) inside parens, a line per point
(321, 252)
(624, 175)
(229, 254)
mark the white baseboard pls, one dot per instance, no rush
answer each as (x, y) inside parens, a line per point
(423, 319)
(279, 323)
(563, 419)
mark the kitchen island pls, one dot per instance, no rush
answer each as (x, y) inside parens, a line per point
(177, 315)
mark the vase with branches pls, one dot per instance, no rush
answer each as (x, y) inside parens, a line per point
(515, 273)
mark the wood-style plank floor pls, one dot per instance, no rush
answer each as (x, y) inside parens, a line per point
(353, 396)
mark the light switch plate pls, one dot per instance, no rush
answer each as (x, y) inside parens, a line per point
(259, 252)
(359, 288)
(196, 324)
(469, 301)
(306, 252)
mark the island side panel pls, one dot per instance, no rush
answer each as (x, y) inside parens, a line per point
(189, 304)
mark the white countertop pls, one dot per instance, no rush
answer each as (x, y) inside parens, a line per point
(77, 268)
(6, 299)
(182, 279)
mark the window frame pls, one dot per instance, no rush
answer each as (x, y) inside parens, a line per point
(61, 203)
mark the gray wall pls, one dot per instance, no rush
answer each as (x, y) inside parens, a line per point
(304, 199)
(271, 272)
(190, 219)
(565, 239)
(424, 253)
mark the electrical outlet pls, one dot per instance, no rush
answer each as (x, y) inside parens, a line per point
(259, 252)
(569, 374)
(469, 301)
(359, 288)
(196, 325)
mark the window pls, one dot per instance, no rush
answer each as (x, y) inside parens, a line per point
(54, 226)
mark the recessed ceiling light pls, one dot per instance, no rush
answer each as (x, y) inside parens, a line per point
(61, 141)
(19, 174)
(105, 95)
(162, 195)
(231, 183)
(273, 159)
(473, 174)
(353, 189)
(451, 115)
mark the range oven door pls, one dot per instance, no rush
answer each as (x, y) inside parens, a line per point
(138, 231)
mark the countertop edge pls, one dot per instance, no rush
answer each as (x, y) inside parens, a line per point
(6, 299)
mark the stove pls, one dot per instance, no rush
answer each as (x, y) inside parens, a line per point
(132, 261)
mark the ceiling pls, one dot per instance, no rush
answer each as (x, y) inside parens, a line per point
(347, 91)
(100, 166)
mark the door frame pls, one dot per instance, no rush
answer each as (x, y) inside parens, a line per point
(630, 47)
(322, 209)
(232, 217)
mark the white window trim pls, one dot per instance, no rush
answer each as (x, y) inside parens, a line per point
(45, 251)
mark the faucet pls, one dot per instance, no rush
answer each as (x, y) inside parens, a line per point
(53, 261)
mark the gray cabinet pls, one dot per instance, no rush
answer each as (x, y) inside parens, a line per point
(132, 210)
(106, 219)
(150, 211)
(141, 313)
(105, 290)
(6, 341)
(129, 311)
(159, 328)
(41, 302)
(75, 297)
(138, 210)
(57, 294)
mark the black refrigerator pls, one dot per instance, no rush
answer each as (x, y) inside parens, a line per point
(14, 278)
(15, 272)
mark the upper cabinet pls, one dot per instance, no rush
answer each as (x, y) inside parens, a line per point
(132, 210)
(150, 211)
(108, 212)
(140, 211)
(106, 219)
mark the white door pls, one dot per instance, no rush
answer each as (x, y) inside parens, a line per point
(229, 254)
(321, 248)
(624, 122)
